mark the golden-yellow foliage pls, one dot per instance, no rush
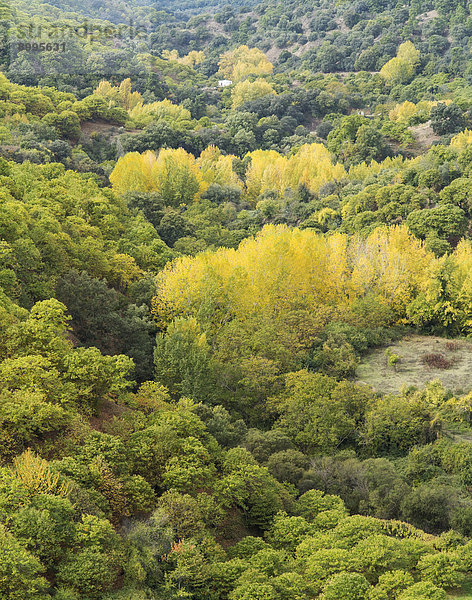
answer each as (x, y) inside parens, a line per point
(462, 139)
(124, 270)
(217, 168)
(403, 112)
(284, 269)
(37, 476)
(142, 114)
(266, 172)
(195, 57)
(104, 89)
(242, 62)
(134, 173)
(449, 298)
(363, 170)
(170, 55)
(401, 68)
(310, 166)
(190, 60)
(246, 91)
(176, 177)
(119, 96)
(174, 174)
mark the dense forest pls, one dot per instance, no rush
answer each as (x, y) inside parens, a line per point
(212, 212)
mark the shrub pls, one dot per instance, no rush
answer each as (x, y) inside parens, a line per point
(436, 361)
(421, 591)
(349, 586)
(452, 346)
(442, 569)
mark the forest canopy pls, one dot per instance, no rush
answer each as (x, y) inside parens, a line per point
(235, 300)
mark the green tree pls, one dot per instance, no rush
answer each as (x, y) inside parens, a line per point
(320, 414)
(349, 586)
(421, 591)
(394, 424)
(446, 118)
(20, 572)
(182, 360)
(444, 570)
(46, 527)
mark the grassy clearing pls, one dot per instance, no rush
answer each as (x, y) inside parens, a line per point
(374, 370)
(465, 593)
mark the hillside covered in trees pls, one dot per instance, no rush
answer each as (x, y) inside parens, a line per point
(211, 213)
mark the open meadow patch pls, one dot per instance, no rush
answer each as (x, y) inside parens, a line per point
(420, 359)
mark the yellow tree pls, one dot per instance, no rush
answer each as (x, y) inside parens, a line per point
(462, 139)
(134, 173)
(174, 174)
(37, 477)
(460, 285)
(390, 263)
(408, 53)
(105, 90)
(246, 91)
(266, 172)
(270, 171)
(176, 177)
(143, 114)
(312, 166)
(242, 62)
(217, 168)
(124, 271)
(121, 95)
(127, 98)
(284, 269)
(402, 112)
(171, 55)
(362, 171)
(402, 68)
(195, 57)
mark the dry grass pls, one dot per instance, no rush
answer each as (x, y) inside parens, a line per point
(424, 136)
(411, 369)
